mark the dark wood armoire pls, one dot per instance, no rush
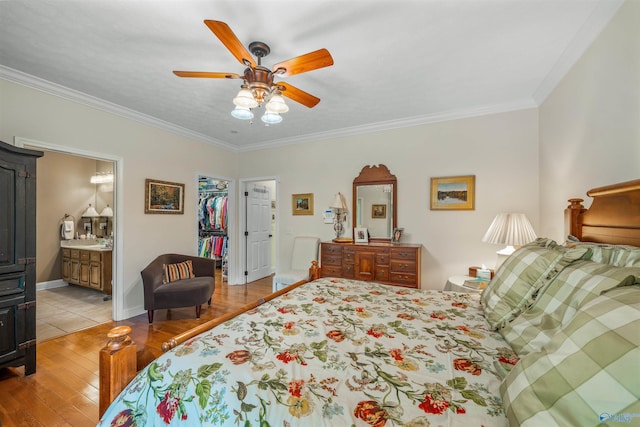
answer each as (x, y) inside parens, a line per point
(18, 257)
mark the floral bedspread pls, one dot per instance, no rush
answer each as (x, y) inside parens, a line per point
(332, 352)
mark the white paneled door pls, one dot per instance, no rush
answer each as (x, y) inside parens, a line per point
(258, 233)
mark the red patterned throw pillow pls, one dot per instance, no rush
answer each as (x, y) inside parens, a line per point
(179, 271)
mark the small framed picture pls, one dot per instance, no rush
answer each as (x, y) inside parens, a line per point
(397, 235)
(360, 235)
(163, 197)
(302, 204)
(379, 211)
(453, 193)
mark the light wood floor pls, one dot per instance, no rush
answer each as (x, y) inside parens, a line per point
(64, 389)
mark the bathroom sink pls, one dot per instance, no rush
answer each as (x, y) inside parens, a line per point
(82, 244)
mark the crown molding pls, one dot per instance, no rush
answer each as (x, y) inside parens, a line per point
(581, 41)
(462, 113)
(46, 86)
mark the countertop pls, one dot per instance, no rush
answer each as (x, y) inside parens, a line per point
(85, 245)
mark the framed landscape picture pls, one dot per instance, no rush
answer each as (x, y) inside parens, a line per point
(453, 193)
(302, 204)
(163, 197)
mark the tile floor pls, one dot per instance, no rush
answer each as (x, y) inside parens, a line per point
(67, 309)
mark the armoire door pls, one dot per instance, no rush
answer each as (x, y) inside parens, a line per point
(12, 227)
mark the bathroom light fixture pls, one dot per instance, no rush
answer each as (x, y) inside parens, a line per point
(102, 178)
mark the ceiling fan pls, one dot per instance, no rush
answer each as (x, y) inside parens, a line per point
(259, 85)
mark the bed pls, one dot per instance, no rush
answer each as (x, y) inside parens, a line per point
(559, 323)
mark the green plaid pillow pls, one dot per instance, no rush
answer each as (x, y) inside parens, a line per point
(616, 255)
(557, 304)
(587, 373)
(518, 279)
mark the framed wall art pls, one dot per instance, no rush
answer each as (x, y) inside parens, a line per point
(302, 204)
(453, 193)
(163, 197)
(379, 211)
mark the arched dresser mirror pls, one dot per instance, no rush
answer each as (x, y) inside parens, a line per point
(374, 202)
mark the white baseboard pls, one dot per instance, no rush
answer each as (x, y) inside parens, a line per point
(51, 284)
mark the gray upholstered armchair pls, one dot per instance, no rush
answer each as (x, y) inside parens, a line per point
(179, 293)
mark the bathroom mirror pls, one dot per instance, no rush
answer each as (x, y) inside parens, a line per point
(374, 202)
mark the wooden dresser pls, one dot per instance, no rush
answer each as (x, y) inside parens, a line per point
(393, 264)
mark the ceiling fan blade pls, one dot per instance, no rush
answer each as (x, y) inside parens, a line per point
(229, 39)
(207, 75)
(301, 64)
(298, 95)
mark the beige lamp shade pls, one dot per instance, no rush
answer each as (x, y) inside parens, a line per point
(510, 229)
(90, 212)
(339, 202)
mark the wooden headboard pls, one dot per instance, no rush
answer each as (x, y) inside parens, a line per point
(614, 215)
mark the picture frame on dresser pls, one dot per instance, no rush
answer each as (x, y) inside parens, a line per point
(360, 235)
(397, 235)
(453, 193)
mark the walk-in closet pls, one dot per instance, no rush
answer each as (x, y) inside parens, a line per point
(213, 221)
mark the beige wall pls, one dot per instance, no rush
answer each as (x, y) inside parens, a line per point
(590, 124)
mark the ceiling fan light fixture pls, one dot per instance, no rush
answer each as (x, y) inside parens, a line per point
(271, 118)
(276, 104)
(245, 98)
(242, 113)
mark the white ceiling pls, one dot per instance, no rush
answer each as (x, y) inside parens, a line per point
(397, 62)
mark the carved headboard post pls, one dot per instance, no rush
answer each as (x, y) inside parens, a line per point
(572, 223)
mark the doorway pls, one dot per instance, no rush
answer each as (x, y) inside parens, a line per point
(66, 182)
(214, 222)
(258, 228)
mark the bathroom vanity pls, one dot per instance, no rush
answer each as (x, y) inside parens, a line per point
(87, 265)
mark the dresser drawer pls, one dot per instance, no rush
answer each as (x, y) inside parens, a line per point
(95, 256)
(403, 266)
(331, 260)
(348, 257)
(331, 271)
(85, 255)
(406, 279)
(382, 258)
(382, 273)
(332, 250)
(348, 271)
(404, 253)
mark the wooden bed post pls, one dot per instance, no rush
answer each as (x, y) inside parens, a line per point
(117, 365)
(572, 223)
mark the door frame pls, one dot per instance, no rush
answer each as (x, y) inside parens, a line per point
(117, 309)
(240, 278)
(231, 257)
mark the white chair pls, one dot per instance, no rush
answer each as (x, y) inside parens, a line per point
(305, 250)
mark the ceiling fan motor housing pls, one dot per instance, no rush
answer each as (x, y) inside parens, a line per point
(260, 80)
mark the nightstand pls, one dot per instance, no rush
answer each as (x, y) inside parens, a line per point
(456, 283)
